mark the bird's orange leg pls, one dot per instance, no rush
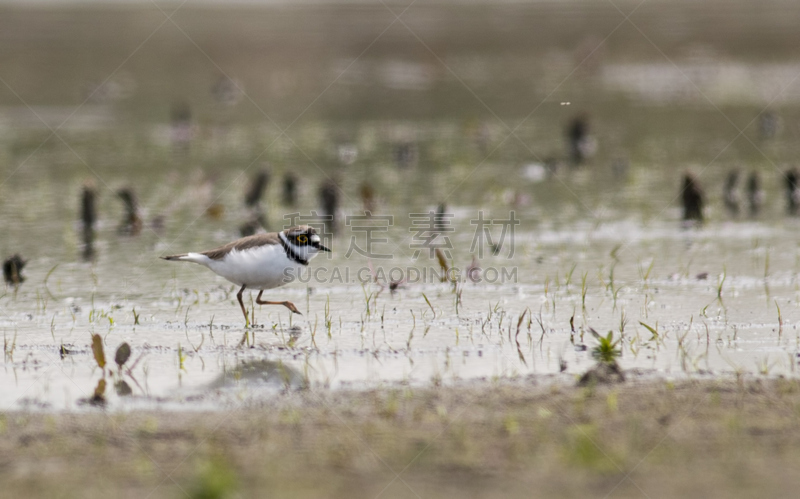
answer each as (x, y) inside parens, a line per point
(286, 304)
(241, 303)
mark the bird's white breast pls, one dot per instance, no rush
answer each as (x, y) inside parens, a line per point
(262, 267)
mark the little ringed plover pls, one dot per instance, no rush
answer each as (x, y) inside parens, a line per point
(260, 261)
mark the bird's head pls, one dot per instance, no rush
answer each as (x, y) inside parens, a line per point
(305, 241)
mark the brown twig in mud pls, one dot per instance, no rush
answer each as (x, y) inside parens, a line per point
(329, 203)
(88, 219)
(289, 190)
(131, 224)
(516, 336)
(12, 270)
(474, 270)
(540, 321)
(259, 183)
(442, 264)
(252, 202)
(692, 198)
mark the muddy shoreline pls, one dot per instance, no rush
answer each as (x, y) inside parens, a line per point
(722, 437)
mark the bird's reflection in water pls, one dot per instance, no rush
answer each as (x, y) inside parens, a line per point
(262, 373)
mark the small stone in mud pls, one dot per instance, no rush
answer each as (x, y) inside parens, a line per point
(122, 388)
(601, 374)
(94, 400)
(12, 270)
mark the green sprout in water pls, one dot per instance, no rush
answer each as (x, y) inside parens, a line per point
(584, 288)
(181, 358)
(606, 354)
(429, 304)
(607, 350)
(328, 320)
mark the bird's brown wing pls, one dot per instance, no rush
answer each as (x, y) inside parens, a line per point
(243, 244)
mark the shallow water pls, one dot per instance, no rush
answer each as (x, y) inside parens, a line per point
(398, 337)
(600, 247)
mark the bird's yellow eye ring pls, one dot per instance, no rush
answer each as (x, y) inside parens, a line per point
(302, 239)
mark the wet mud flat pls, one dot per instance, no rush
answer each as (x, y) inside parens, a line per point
(529, 436)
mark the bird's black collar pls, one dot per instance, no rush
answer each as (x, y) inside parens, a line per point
(290, 253)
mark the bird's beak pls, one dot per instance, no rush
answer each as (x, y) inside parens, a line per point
(322, 248)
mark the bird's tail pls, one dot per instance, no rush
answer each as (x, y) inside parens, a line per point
(175, 257)
(189, 257)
